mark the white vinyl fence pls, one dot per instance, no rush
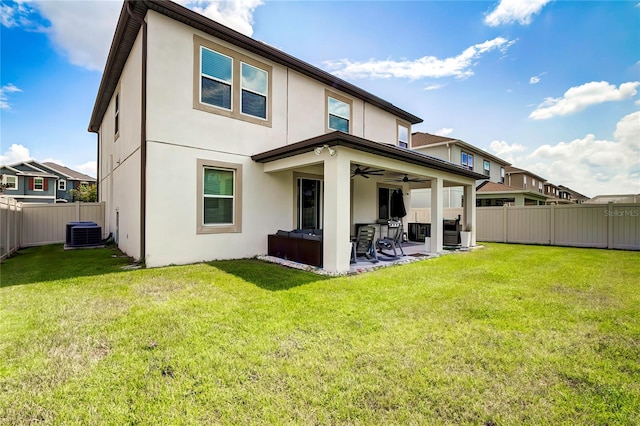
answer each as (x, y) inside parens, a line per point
(26, 224)
(10, 226)
(615, 226)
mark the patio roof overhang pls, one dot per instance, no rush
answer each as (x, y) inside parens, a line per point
(364, 145)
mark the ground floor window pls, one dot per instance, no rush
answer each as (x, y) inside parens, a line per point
(220, 197)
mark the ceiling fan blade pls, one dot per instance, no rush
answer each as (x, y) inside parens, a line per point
(370, 171)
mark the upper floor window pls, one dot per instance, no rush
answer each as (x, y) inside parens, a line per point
(116, 115)
(38, 184)
(216, 81)
(467, 160)
(539, 186)
(524, 182)
(486, 168)
(533, 183)
(62, 185)
(228, 83)
(339, 115)
(11, 182)
(502, 174)
(403, 136)
(254, 91)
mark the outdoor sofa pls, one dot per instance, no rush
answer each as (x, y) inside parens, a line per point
(299, 245)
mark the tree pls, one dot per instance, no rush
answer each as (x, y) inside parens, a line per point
(86, 193)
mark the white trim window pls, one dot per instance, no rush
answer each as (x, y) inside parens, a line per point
(466, 160)
(403, 136)
(540, 186)
(524, 181)
(339, 115)
(38, 184)
(218, 191)
(254, 88)
(486, 168)
(62, 185)
(10, 182)
(216, 79)
(502, 174)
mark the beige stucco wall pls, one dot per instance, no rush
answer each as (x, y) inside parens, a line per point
(120, 158)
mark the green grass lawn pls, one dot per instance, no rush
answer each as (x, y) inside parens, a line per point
(507, 334)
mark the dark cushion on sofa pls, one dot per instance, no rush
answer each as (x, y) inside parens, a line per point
(312, 237)
(282, 233)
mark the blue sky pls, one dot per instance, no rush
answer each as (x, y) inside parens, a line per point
(551, 86)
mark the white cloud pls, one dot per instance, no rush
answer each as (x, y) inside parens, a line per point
(15, 14)
(425, 67)
(82, 30)
(592, 166)
(534, 80)
(235, 14)
(4, 100)
(581, 97)
(89, 168)
(446, 131)
(15, 154)
(510, 11)
(434, 86)
(506, 151)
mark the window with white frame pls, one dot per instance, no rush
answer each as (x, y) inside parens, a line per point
(539, 186)
(10, 182)
(220, 197)
(254, 91)
(38, 184)
(339, 114)
(62, 185)
(524, 182)
(486, 168)
(216, 81)
(502, 174)
(466, 160)
(403, 136)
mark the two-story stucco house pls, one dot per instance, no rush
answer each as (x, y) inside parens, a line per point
(209, 141)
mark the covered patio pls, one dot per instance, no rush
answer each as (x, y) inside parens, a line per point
(349, 196)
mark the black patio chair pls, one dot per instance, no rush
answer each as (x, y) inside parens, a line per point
(364, 245)
(392, 242)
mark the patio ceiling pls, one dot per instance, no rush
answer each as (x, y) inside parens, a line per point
(366, 146)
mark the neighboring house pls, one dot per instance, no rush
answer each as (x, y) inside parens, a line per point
(573, 196)
(492, 194)
(555, 194)
(520, 188)
(34, 182)
(458, 152)
(209, 141)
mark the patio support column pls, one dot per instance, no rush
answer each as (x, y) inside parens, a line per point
(336, 239)
(437, 235)
(470, 211)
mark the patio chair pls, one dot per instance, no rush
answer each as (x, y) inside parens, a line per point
(391, 242)
(364, 245)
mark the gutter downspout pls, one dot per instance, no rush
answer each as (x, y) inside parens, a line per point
(143, 134)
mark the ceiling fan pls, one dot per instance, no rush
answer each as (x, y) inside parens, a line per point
(406, 179)
(365, 172)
